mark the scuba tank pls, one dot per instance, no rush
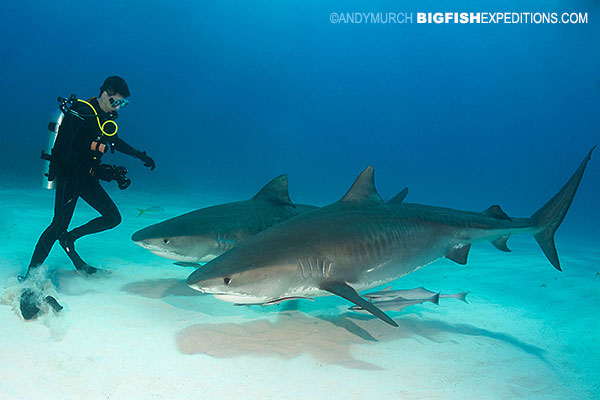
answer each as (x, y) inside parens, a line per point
(56, 119)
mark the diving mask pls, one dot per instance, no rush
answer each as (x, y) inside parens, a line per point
(120, 103)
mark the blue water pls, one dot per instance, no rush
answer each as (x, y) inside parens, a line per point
(227, 95)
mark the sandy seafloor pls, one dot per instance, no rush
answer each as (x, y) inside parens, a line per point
(528, 331)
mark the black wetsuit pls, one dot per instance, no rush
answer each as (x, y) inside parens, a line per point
(75, 157)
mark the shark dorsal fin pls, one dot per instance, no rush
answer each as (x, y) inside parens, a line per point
(363, 189)
(497, 212)
(276, 192)
(399, 198)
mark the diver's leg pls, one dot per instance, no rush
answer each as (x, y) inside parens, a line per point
(69, 247)
(64, 206)
(95, 196)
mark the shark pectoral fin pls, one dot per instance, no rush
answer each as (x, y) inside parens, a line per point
(459, 255)
(500, 243)
(344, 290)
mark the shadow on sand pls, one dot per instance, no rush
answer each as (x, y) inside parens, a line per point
(160, 288)
(328, 339)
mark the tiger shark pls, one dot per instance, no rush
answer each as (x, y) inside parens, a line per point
(361, 242)
(201, 235)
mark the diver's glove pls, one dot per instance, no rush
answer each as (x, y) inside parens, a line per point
(146, 159)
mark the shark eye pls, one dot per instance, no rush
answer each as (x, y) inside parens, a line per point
(227, 280)
(166, 241)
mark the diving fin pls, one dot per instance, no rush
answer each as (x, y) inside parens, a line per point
(30, 301)
(29, 304)
(52, 302)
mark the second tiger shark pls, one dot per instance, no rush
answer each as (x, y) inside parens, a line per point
(201, 235)
(361, 242)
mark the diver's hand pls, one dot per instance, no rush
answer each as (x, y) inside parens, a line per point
(146, 159)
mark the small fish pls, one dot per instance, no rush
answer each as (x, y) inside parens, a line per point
(276, 301)
(142, 211)
(187, 264)
(398, 303)
(411, 294)
(597, 274)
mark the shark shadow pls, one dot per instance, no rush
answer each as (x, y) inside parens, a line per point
(160, 288)
(327, 339)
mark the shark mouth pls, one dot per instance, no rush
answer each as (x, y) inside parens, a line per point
(245, 300)
(164, 253)
(231, 297)
(239, 298)
(172, 256)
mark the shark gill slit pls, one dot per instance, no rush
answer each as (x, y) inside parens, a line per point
(301, 268)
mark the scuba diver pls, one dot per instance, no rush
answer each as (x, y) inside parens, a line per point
(86, 130)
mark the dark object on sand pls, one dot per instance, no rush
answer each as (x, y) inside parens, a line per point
(52, 302)
(30, 304)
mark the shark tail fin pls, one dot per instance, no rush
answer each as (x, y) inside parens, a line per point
(462, 296)
(549, 217)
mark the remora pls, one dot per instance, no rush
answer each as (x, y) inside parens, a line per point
(201, 235)
(361, 242)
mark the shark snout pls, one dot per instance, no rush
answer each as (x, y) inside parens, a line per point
(138, 237)
(194, 278)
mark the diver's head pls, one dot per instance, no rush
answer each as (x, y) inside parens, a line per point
(113, 94)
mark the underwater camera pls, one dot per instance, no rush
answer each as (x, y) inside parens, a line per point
(113, 173)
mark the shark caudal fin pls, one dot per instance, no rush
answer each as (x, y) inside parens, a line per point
(549, 217)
